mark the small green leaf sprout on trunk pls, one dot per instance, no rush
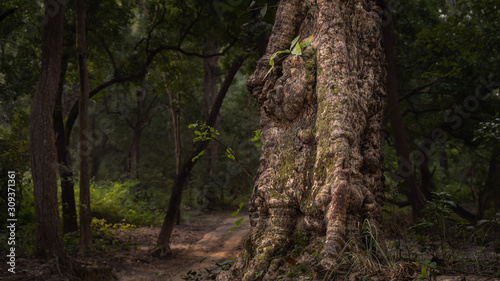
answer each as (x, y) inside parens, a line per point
(295, 49)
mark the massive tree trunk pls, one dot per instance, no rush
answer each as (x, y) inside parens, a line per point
(83, 128)
(42, 139)
(320, 179)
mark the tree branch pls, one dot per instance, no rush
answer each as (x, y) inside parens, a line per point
(235, 158)
(142, 71)
(417, 90)
(397, 203)
(111, 57)
(463, 213)
(7, 13)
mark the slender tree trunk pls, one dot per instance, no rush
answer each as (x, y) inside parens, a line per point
(70, 223)
(415, 196)
(209, 76)
(209, 92)
(490, 194)
(143, 120)
(42, 139)
(98, 150)
(320, 176)
(83, 128)
(133, 155)
(162, 248)
(175, 110)
(426, 185)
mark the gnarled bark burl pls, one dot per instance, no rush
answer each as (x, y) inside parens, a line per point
(320, 172)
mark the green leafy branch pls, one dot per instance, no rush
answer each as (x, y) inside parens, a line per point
(295, 49)
(237, 222)
(208, 133)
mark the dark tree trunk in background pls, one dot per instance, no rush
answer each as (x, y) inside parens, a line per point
(83, 128)
(143, 120)
(414, 194)
(209, 92)
(98, 149)
(70, 223)
(42, 139)
(133, 155)
(162, 248)
(175, 111)
(426, 178)
(320, 172)
(490, 194)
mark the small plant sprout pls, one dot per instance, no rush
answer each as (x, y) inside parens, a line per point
(295, 49)
(256, 138)
(429, 272)
(237, 222)
(191, 276)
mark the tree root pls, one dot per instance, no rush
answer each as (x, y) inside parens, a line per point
(161, 252)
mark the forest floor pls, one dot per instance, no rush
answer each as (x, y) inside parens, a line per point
(199, 243)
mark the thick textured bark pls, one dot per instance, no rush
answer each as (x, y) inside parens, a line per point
(320, 177)
(414, 194)
(42, 139)
(162, 248)
(83, 128)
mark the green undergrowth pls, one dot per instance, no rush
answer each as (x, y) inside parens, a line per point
(128, 202)
(440, 242)
(106, 237)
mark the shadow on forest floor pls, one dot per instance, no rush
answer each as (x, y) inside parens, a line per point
(201, 243)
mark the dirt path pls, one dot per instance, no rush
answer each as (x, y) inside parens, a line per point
(191, 252)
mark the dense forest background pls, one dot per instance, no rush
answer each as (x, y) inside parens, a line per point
(156, 67)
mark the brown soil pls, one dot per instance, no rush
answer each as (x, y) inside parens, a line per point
(196, 246)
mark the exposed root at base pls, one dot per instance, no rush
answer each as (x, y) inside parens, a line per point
(161, 252)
